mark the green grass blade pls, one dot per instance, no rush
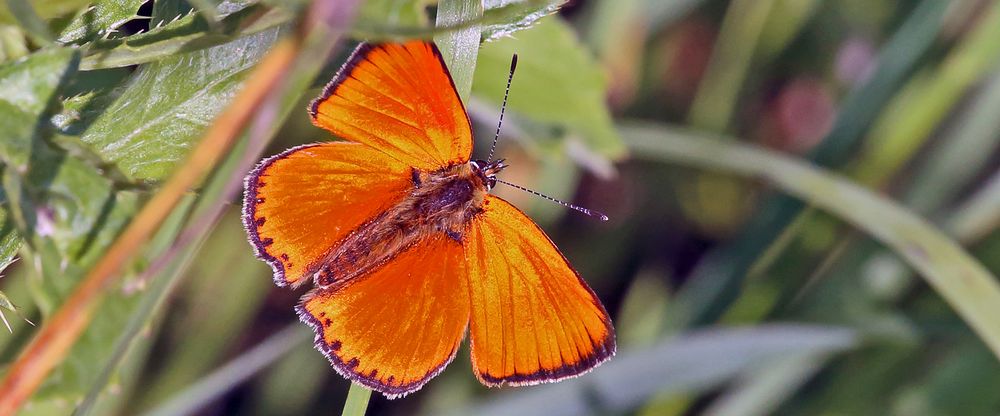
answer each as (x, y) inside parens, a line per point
(961, 280)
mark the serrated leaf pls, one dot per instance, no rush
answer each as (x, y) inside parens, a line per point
(389, 20)
(28, 85)
(557, 82)
(166, 105)
(26, 88)
(184, 33)
(524, 13)
(86, 98)
(99, 20)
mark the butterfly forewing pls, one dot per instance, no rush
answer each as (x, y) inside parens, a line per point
(299, 204)
(399, 99)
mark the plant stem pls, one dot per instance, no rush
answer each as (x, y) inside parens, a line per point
(357, 400)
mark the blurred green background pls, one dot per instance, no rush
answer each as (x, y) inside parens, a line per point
(744, 151)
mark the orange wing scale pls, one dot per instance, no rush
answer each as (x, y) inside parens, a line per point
(300, 203)
(398, 327)
(399, 99)
(533, 318)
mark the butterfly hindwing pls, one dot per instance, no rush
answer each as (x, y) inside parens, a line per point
(533, 319)
(399, 99)
(399, 326)
(300, 203)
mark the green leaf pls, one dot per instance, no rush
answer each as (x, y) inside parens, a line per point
(27, 88)
(557, 82)
(99, 20)
(388, 20)
(459, 48)
(187, 33)
(166, 105)
(77, 213)
(29, 85)
(166, 11)
(525, 13)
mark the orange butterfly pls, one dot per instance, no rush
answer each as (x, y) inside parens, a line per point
(405, 245)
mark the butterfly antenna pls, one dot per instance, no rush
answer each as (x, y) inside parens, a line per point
(589, 212)
(510, 76)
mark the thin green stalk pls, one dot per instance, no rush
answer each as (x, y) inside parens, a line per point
(961, 280)
(357, 400)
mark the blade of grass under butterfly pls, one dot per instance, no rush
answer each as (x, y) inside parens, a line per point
(962, 281)
(357, 400)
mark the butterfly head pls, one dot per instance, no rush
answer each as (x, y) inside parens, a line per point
(487, 171)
